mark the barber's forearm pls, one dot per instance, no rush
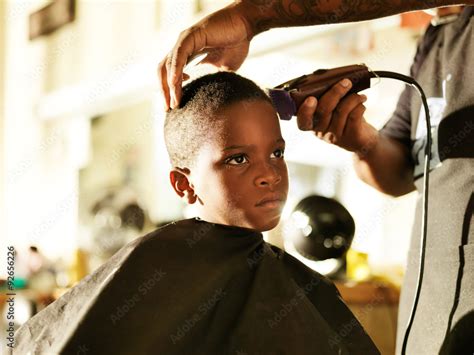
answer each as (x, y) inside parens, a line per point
(386, 167)
(265, 14)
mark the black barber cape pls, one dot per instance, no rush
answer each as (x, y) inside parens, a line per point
(193, 287)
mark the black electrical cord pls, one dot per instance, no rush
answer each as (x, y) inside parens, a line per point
(424, 223)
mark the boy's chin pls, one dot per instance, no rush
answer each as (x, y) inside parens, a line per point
(268, 226)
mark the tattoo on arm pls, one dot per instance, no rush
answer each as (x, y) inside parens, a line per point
(266, 14)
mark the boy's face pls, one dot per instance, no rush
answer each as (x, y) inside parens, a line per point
(241, 165)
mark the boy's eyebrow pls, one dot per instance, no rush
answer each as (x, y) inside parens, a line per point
(279, 140)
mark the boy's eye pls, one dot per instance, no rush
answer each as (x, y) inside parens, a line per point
(239, 160)
(242, 158)
(279, 153)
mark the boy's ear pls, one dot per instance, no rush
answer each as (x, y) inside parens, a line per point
(181, 184)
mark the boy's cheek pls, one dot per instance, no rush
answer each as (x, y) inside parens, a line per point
(237, 197)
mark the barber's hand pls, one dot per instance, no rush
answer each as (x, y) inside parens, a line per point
(337, 119)
(225, 37)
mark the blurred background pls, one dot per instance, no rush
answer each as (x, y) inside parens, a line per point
(83, 166)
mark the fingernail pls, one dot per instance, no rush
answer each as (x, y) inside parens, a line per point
(311, 101)
(331, 137)
(346, 83)
(363, 98)
(173, 101)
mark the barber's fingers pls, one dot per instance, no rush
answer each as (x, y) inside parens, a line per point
(305, 113)
(189, 43)
(163, 77)
(353, 125)
(163, 69)
(350, 106)
(327, 103)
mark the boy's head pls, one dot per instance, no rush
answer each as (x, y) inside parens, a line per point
(225, 145)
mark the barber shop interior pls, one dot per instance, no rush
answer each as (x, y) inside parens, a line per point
(143, 209)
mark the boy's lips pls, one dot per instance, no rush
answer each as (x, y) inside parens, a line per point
(272, 200)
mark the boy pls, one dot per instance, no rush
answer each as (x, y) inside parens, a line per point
(210, 284)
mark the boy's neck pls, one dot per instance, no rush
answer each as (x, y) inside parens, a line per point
(212, 221)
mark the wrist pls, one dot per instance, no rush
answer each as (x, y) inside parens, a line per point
(254, 16)
(370, 144)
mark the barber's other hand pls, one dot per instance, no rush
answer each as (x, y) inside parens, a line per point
(338, 120)
(225, 37)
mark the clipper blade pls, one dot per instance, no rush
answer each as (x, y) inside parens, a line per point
(283, 103)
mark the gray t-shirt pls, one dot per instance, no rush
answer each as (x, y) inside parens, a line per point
(443, 66)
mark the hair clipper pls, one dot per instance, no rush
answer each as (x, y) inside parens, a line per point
(288, 97)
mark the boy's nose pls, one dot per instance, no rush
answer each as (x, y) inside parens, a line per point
(268, 175)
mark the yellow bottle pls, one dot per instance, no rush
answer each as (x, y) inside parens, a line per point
(357, 265)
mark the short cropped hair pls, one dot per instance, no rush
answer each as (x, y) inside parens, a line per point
(190, 125)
